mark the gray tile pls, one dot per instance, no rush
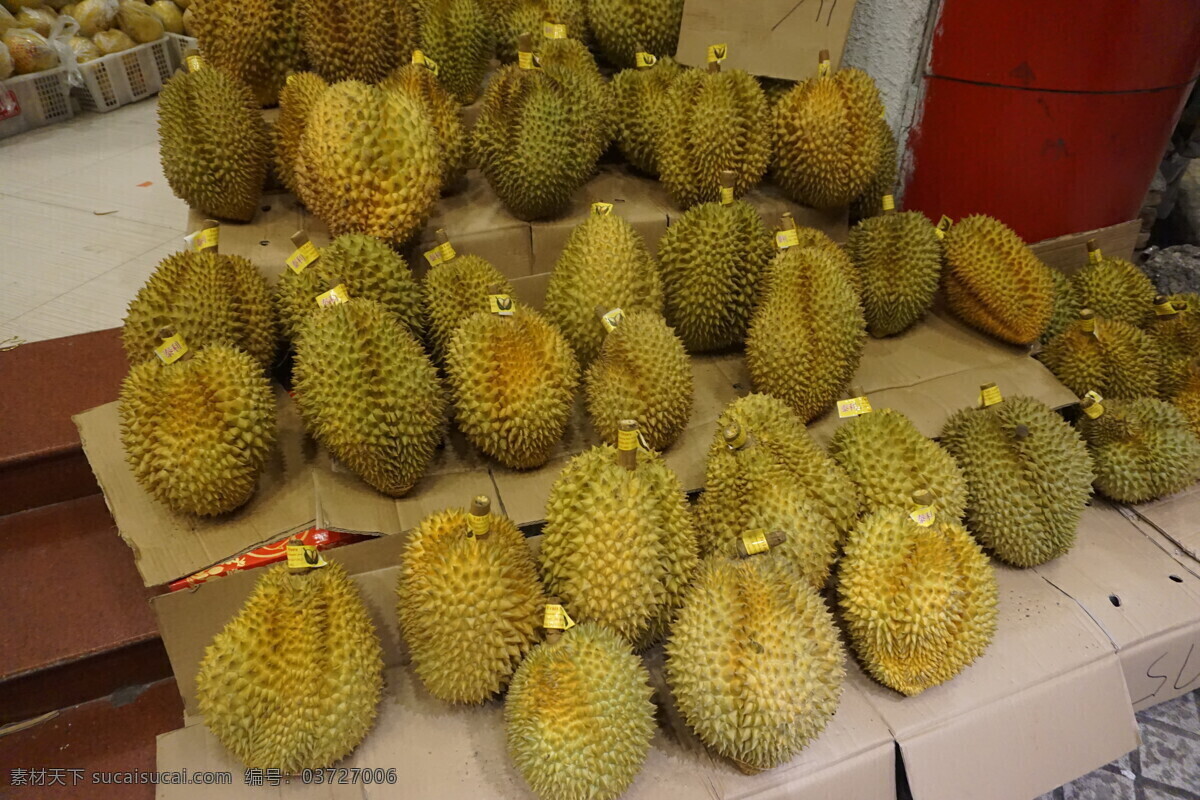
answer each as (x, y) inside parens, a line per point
(1149, 793)
(1170, 758)
(1180, 712)
(1100, 785)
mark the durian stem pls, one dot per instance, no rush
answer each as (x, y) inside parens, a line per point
(553, 634)
(299, 239)
(728, 178)
(1021, 433)
(787, 221)
(774, 539)
(822, 56)
(481, 508)
(525, 43)
(736, 438)
(166, 332)
(922, 497)
(714, 67)
(1092, 246)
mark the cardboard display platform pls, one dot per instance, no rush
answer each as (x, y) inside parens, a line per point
(1176, 518)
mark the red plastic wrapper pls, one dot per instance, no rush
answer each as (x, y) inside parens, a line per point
(269, 554)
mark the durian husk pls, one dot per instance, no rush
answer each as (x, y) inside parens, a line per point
(870, 202)
(1141, 449)
(296, 100)
(623, 28)
(356, 40)
(1116, 360)
(1115, 289)
(420, 83)
(639, 96)
(899, 260)
(456, 35)
(454, 291)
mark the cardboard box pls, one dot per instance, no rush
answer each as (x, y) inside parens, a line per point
(770, 202)
(1069, 253)
(1045, 704)
(777, 38)
(1176, 517)
(1142, 598)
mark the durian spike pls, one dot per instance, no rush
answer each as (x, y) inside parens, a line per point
(1021, 433)
(553, 634)
(736, 437)
(481, 508)
(922, 497)
(626, 456)
(166, 332)
(774, 539)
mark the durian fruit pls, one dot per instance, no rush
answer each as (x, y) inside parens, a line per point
(514, 17)
(1028, 476)
(899, 259)
(206, 298)
(367, 267)
(919, 603)
(888, 459)
(419, 82)
(754, 661)
(618, 544)
(569, 62)
(1175, 333)
(368, 393)
(642, 373)
(1141, 449)
(255, 42)
(1066, 306)
(370, 162)
(198, 432)
(213, 143)
(469, 602)
(456, 35)
(711, 259)
(455, 290)
(624, 28)
(1114, 288)
(512, 380)
(713, 121)
(807, 333)
(639, 96)
(138, 22)
(828, 147)
(169, 14)
(1107, 356)
(1187, 398)
(883, 182)
(995, 283)
(812, 237)
(296, 100)
(116, 41)
(578, 716)
(604, 262)
(356, 40)
(293, 681)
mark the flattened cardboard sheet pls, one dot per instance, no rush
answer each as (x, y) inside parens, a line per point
(1069, 253)
(266, 241)
(1177, 517)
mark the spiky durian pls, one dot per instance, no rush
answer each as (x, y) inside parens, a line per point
(827, 140)
(807, 333)
(197, 433)
(994, 282)
(360, 40)
(787, 681)
(213, 143)
(296, 100)
(1110, 357)
(569, 62)
(712, 122)
(889, 459)
(1175, 333)
(1141, 449)
(642, 373)
(711, 259)
(624, 28)
(514, 17)
(456, 35)
(618, 545)
(370, 162)
(899, 259)
(293, 681)
(419, 82)
(453, 291)
(1028, 477)
(604, 262)
(883, 182)
(639, 95)
(1115, 289)
(367, 267)
(919, 602)
(813, 237)
(206, 298)
(578, 716)
(512, 380)
(255, 42)
(469, 602)
(368, 393)
(1066, 306)
(1187, 398)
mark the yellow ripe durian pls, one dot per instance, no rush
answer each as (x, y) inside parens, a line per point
(1175, 332)
(419, 82)
(624, 28)
(455, 34)
(639, 95)
(1107, 356)
(1115, 289)
(514, 17)
(296, 100)
(455, 290)
(255, 42)
(883, 182)
(569, 62)
(1141, 449)
(293, 681)
(899, 260)
(356, 40)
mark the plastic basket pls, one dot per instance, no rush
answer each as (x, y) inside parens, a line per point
(31, 101)
(180, 44)
(122, 78)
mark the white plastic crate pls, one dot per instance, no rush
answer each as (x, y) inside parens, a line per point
(180, 44)
(122, 78)
(31, 101)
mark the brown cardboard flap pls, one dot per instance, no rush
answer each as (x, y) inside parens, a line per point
(770, 202)
(1045, 704)
(1140, 597)
(1177, 517)
(266, 241)
(1069, 253)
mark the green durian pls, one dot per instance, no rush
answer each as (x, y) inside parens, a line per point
(827, 142)
(919, 603)
(1187, 398)
(370, 162)
(639, 95)
(1175, 333)
(604, 262)
(578, 716)
(711, 259)
(419, 82)
(1107, 356)
(198, 432)
(254, 42)
(899, 259)
(1115, 289)
(367, 267)
(570, 63)
(293, 681)
(754, 661)
(712, 122)
(775, 88)
(624, 28)
(883, 182)
(807, 333)
(1066, 306)
(1141, 449)
(512, 380)
(369, 394)
(456, 35)
(206, 298)
(454, 290)
(642, 373)
(515, 17)
(213, 143)
(1028, 477)
(469, 600)
(618, 545)
(888, 459)
(357, 40)
(296, 100)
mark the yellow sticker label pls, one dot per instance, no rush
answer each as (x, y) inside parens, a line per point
(943, 225)
(554, 30)
(304, 255)
(501, 305)
(478, 524)
(627, 440)
(1094, 256)
(1166, 309)
(525, 61)
(726, 195)
(556, 618)
(304, 556)
(1094, 410)
(854, 407)
(824, 68)
(889, 203)
(171, 350)
(717, 52)
(923, 515)
(990, 396)
(612, 319)
(441, 254)
(204, 239)
(1094, 396)
(334, 296)
(195, 63)
(755, 541)
(602, 209)
(786, 239)
(1088, 325)
(644, 60)
(419, 57)
(290, 79)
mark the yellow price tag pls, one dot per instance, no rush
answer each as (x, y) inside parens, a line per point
(989, 395)
(786, 239)
(556, 618)
(889, 203)
(627, 440)
(302, 257)
(726, 195)
(501, 305)
(478, 524)
(554, 30)
(612, 319)
(334, 296)
(204, 239)
(943, 225)
(853, 407)
(1094, 409)
(824, 68)
(304, 556)
(441, 254)
(419, 57)
(644, 60)
(525, 60)
(717, 52)
(1094, 256)
(1166, 309)
(195, 63)
(602, 209)
(171, 350)
(755, 541)
(1088, 325)
(923, 515)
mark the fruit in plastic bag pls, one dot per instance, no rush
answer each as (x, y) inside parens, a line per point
(94, 16)
(169, 15)
(39, 19)
(184, 4)
(85, 49)
(6, 62)
(7, 20)
(29, 50)
(16, 5)
(113, 41)
(189, 22)
(139, 22)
